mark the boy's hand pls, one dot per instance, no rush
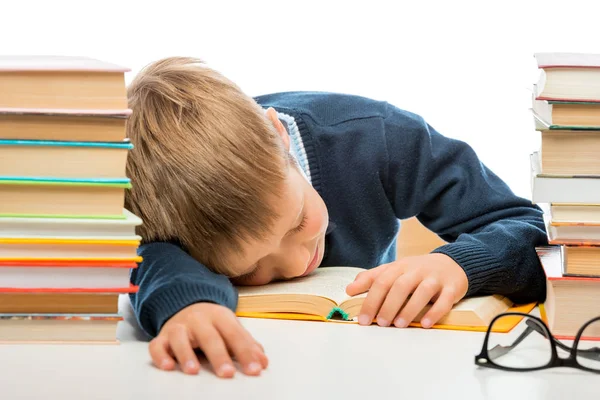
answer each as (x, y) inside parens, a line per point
(217, 332)
(432, 277)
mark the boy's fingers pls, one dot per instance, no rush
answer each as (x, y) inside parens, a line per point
(364, 280)
(402, 287)
(159, 351)
(242, 345)
(441, 307)
(260, 346)
(419, 299)
(264, 360)
(361, 283)
(377, 294)
(210, 342)
(182, 348)
(260, 351)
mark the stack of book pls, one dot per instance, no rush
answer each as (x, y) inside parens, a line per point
(565, 175)
(67, 244)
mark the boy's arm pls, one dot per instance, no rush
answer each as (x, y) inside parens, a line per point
(170, 280)
(184, 306)
(492, 233)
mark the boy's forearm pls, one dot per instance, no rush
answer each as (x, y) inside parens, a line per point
(170, 280)
(492, 233)
(500, 258)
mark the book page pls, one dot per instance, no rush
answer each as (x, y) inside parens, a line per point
(482, 302)
(329, 282)
(57, 63)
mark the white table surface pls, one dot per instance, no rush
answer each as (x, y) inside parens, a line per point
(308, 360)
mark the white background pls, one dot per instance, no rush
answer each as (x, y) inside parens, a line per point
(466, 66)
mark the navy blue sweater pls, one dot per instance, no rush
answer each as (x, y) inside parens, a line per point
(374, 164)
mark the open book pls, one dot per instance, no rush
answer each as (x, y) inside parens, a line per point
(322, 296)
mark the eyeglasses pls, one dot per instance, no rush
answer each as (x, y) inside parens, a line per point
(529, 352)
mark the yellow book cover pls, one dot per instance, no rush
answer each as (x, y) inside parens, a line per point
(68, 249)
(136, 259)
(118, 242)
(321, 296)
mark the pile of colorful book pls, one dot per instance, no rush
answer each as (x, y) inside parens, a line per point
(67, 244)
(565, 176)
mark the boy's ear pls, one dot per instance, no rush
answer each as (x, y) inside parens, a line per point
(272, 116)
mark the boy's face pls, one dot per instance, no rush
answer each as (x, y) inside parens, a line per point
(296, 244)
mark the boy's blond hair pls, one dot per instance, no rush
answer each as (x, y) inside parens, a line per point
(206, 165)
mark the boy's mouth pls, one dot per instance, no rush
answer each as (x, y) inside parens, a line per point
(313, 263)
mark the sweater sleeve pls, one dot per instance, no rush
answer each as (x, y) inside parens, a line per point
(169, 280)
(491, 232)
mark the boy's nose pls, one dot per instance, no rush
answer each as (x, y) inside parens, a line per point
(294, 261)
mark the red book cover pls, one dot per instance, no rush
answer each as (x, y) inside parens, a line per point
(68, 263)
(131, 289)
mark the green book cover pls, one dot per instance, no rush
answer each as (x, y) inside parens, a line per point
(100, 182)
(540, 124)
(594, 103)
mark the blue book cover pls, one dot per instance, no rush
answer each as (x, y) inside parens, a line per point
(126, 144)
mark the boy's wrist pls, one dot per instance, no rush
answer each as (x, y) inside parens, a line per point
(479, 265)
(162, 304)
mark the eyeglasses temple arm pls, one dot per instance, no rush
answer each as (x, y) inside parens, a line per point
(498, 350)
(591, 354)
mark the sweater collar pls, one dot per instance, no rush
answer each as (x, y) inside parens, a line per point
(298, 149)
(296, 144)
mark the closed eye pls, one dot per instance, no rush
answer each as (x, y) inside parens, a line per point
(300, 226)
(248, 276)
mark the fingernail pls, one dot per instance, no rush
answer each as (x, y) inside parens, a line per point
(382, 322)
(190, 365)
(254, 368)
(426, 323)
(226, 370)
(400, 323)
(164, 364)
(364, 319)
